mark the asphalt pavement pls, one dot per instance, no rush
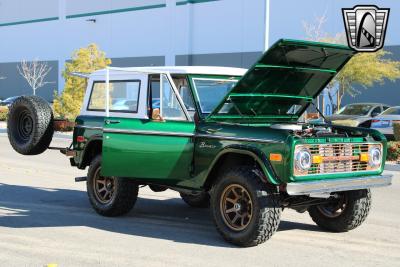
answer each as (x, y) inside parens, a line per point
(45, 217)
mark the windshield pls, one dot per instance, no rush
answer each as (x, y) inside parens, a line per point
(211, 91)
(392, 111)
(355, 110)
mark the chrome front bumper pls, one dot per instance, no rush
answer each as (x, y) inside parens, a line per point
(337, 185)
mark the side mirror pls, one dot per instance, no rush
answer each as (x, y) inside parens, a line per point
(156, 116)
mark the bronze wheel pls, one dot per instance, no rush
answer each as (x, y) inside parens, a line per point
(110, 196)
(334, 209)
(245, 209)
(236, 207)
(343, 214)
(104, 187)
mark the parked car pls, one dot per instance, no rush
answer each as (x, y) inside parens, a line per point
(222, 137)
(8, 101)
(384, 122)
(357, 114)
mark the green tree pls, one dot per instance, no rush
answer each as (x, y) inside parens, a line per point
(367, 70)
(364, 69)
(84, 60)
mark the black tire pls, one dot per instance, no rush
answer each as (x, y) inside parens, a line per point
(124, 194)
(200, 200)
(30, 125)
(349, 216)
(265, 207)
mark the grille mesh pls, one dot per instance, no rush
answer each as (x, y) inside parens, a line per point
(337, 158)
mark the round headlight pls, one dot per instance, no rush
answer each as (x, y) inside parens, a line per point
(303, 160)
(375, 156)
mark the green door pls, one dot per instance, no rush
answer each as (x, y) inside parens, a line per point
(153, 149)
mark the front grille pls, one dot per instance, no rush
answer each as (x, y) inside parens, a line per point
(336, 158)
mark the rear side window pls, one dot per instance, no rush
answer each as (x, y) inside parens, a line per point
(124, 96)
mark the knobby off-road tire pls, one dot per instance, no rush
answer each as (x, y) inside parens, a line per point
(110, 196)
(200, 200)
(265, 207)
(353, 209)
(30, 125)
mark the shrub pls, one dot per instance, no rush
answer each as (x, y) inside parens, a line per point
(393, 151)
(3, 113)
(63, 125)
(84, 60)
(396, 131)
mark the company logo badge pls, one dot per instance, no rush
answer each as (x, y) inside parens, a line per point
(365, 27)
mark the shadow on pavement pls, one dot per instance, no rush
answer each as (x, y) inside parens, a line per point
(171, 219)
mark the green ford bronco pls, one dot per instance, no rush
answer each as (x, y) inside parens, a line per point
(225, 138)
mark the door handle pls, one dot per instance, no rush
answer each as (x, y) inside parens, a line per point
(112, 121)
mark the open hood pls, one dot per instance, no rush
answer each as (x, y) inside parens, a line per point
(283, 82)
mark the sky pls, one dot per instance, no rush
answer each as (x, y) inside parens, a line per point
(286, 17)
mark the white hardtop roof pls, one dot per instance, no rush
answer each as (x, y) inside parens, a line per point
(176, 70)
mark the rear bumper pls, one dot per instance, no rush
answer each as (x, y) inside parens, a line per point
(337, 185)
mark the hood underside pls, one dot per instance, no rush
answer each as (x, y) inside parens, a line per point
(283, 82)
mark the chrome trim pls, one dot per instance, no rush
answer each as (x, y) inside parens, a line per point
(124, 131)
(232, 138)
(337, 185)
(161, 133)
(89, 127)
(344, 172)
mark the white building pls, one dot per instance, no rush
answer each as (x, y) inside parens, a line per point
(131, 32)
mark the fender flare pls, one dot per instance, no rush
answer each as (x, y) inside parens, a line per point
(269, 173)
(94, 138)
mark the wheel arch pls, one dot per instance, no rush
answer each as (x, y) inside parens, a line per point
(241, 154)
(93, 147)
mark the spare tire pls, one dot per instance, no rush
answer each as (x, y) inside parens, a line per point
(30, 125)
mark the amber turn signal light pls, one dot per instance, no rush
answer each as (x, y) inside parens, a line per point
(317, 159)
(275, 157)
(364, 157)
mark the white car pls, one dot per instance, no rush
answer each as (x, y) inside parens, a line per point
(384, 121)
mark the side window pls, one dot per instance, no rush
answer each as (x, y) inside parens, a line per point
(170, 107)
(376, 111)
(97, 101)
(124, 96)
(155, 92)
(385, 108)
(181, 84)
